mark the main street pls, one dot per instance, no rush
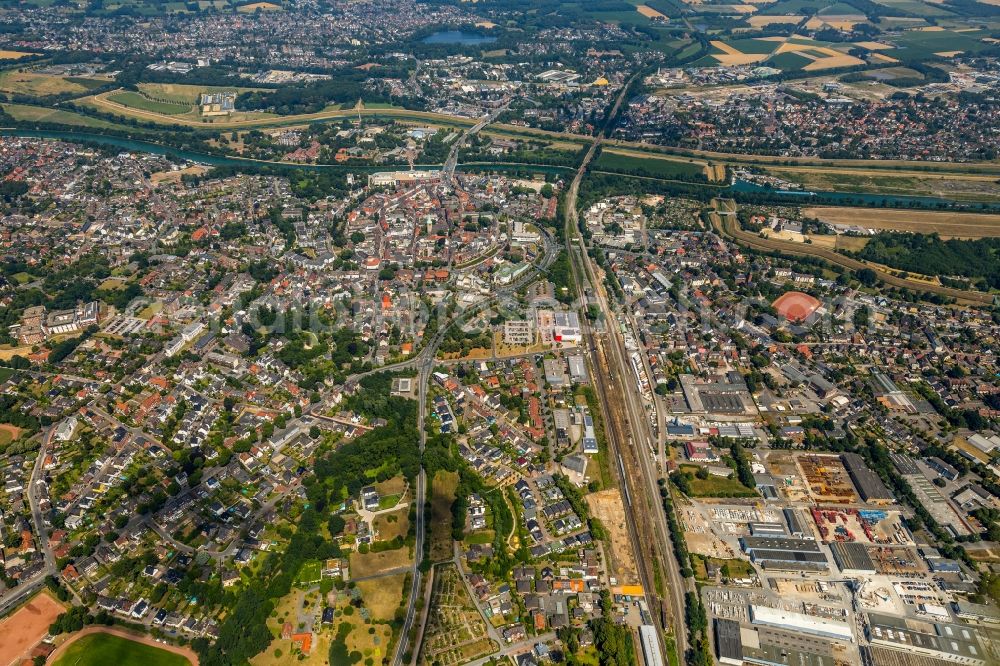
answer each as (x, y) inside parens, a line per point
(424, 362)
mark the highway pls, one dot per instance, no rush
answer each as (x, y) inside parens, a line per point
(627, 425)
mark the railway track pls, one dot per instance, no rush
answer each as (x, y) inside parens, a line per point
(626, 428)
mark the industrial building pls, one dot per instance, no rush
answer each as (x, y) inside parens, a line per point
(976, 612)
(933, 640)
(852, 558)
(785, 553)
(794, 523)
(869, 485)
(728, 642)
(801, 623)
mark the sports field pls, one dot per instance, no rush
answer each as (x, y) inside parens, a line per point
(27, 626)
(101, 648)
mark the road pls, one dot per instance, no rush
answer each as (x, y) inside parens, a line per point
(626, 422)
(424, 362)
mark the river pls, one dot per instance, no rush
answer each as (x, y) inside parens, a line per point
(739, 187)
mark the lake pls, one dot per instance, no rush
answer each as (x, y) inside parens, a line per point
(457, 37)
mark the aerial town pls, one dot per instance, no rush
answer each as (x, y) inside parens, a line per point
(419, 333)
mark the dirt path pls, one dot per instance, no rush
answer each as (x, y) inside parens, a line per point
(185, 652)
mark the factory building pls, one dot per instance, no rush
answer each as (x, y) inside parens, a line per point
(785, 554)
(869, 485)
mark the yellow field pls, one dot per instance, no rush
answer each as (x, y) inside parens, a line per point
(263, 6)
(649, 12)
(832, 62)
(947, 224)
(14, 55)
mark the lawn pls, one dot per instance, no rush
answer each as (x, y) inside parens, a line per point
(716, 486)
(28, 114)
(310, 572)
(104, 649)
(40, 85)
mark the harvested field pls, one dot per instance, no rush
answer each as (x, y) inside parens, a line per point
(833, 61)
(607, 507)
(649, 12)
(14, 55)
(262, 6)
(760, 21)
(947, 224)
(27, 626)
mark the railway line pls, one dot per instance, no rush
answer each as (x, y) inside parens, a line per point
(627, 429)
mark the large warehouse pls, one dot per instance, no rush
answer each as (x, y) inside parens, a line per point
(869, 485)
(800, 622)
(785, 554)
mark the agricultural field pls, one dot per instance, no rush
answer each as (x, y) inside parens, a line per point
(20, 82)
(258, 6)
(456, 632)
(101, 648)
(442, 496)
(785, 53)
(14, 55)
(945, 223)
(926, 42)
(646, 164)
